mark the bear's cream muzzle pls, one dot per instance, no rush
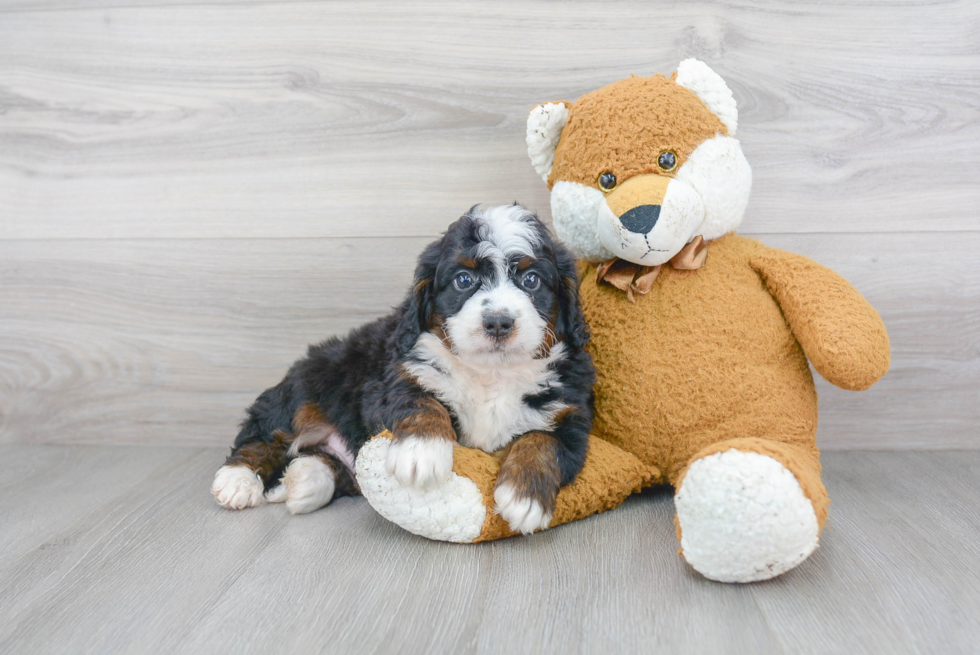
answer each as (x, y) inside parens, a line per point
(648, 218)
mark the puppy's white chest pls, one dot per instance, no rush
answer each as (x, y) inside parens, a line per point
(488, 402)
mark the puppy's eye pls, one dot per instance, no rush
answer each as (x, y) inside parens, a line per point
(607, 181)
(667, 161)
(463, 281)
(531, 281)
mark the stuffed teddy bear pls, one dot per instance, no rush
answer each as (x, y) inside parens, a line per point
(700, 337)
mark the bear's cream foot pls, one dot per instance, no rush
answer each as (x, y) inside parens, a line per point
(743, 517)
(451, 511)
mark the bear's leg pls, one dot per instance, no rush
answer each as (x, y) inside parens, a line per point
(749, 509)
(462, 509)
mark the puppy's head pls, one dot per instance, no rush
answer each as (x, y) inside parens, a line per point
(497, 290)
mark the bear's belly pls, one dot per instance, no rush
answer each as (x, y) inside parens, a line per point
(704, 357)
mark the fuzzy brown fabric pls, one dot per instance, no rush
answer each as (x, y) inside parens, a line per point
(850, 349)
(609, 476)
(709, 356)
(703, 356)
(708, 361)
(623, 127)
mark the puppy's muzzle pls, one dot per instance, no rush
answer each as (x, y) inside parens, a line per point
(498, 325)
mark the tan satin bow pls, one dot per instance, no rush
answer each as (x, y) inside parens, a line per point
(636, 278)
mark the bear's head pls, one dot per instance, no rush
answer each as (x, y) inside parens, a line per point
(639, 168)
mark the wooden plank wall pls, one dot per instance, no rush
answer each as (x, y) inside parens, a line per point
(191, 190)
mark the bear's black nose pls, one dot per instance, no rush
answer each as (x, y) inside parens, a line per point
(498, 325)
(641, 219)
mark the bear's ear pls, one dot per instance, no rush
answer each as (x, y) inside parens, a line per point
(544, 125)
(695, 75)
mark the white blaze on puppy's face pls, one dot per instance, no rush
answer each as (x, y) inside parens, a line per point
(505, 235)
(470, 338)
(483, 378)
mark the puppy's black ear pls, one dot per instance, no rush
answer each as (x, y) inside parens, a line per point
(570, 325)
(420, 304)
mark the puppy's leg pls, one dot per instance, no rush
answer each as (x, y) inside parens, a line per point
(421, 451)
(259, 454)
(320, 464)
(240, 483)
(311, 481)
(536, 465)
(528, 482)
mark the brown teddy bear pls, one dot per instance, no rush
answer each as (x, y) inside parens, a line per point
(700, 337)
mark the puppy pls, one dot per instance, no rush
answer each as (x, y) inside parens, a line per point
(486, 351)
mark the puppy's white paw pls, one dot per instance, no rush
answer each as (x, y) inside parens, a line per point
(422, 462)
(523, 514)
(237, 487)
(453, 511)
(276, 494)
(309, 484)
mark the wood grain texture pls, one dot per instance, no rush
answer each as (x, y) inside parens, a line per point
(163, 569)
(164, 342)
(230, 119)
(897, 547)
(77, 481)
(191, 191)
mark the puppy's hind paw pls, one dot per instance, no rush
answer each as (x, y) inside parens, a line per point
(309, 484)
(237, 487)
(523, 514)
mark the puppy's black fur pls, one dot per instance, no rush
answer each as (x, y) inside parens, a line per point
(357, 385)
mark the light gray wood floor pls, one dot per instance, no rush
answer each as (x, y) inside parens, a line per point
(122, 550)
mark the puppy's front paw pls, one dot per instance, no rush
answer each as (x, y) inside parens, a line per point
(423, 462)
(523, 513)
(237, 487)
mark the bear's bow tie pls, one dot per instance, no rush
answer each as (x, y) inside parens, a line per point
(636, 278)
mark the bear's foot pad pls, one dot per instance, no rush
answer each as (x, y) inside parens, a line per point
(743, 517)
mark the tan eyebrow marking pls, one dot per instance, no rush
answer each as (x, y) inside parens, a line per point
(524, 262)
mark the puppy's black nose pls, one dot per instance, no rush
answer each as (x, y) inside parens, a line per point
(641, 219)
(498, 324)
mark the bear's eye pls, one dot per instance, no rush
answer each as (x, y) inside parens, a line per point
(607, 181)
(667, 161)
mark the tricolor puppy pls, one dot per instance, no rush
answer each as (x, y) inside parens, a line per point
(485, 351)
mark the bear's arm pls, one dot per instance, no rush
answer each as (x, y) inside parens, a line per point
(840, 332)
